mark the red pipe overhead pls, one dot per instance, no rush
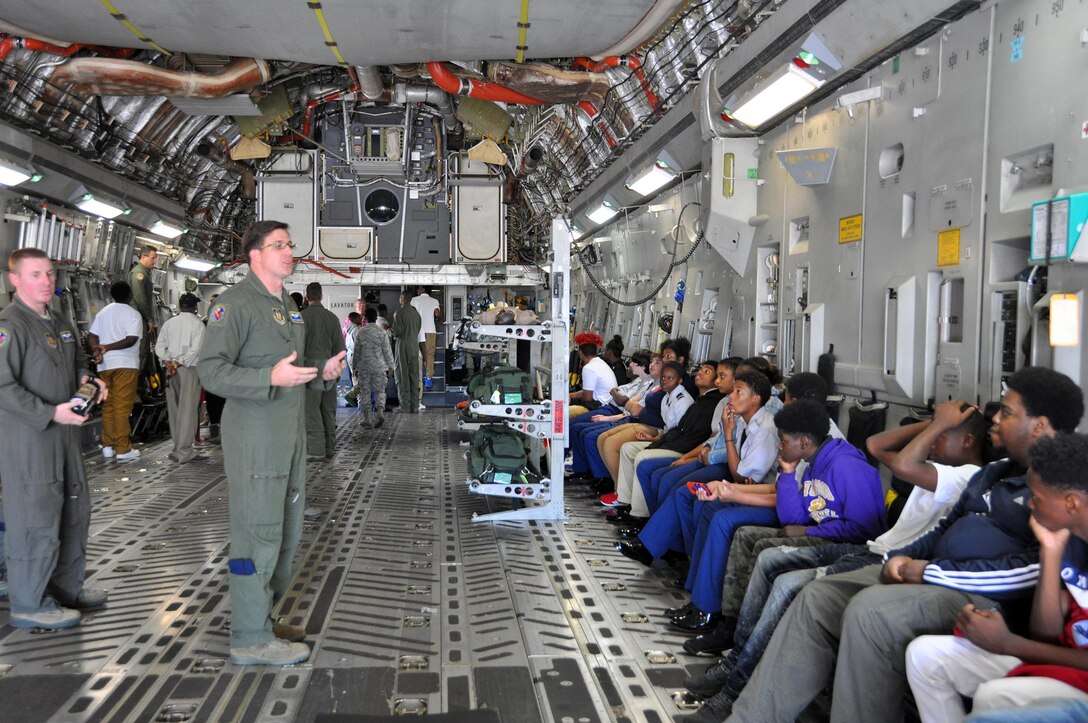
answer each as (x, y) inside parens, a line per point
(9, 43)
(481, 89)
(327, 98)
(625, 61)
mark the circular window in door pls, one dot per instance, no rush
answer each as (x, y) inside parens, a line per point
(381, 206)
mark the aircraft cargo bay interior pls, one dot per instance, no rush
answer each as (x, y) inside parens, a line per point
(477, 361)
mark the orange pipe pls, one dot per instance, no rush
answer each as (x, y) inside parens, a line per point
(593, 113)
(482, 89)
(311, 105)
(630, 62)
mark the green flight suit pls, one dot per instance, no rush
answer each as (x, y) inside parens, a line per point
(323, 340)
(406, 326)
(264, 445)
(143, 300)
(46, 500)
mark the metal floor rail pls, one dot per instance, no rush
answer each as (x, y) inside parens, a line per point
(409, 605)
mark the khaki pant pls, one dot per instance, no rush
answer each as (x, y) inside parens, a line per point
(428, 353)
(183, 407)
(628, 488)
(611, 440)
(116, 410)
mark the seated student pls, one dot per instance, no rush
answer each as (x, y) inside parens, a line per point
(610, 443)
(609, 414)
(750, 429)
(597, 378)
(675, 409)
(771, 372)
(653, 474)
(938, 457)
(659, 481)
(642, 414)
(613, 356)
(859, 623)
(987, 662)
(838, 498)
(681, 347)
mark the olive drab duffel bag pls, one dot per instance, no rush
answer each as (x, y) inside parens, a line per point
(497, 455)
(501, 384)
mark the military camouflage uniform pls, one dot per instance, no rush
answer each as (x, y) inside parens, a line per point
(371, 363)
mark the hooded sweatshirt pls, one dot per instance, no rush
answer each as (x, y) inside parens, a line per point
(839, 496)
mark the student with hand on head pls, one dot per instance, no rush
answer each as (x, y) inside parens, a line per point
(984, 660)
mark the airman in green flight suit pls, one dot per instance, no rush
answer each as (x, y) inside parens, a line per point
(406, 325)
(255, 335)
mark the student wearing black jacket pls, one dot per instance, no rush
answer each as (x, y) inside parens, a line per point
(693, 429)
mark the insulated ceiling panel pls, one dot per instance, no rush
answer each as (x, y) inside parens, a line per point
(374, 32)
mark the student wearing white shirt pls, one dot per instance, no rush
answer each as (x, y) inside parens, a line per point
(598, 380)
(429, 313)
(114, 339)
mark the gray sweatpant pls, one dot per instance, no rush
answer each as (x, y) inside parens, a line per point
(867, 626)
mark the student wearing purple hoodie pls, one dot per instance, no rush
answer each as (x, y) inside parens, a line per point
(838, 498)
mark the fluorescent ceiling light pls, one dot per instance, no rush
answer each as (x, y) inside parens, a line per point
(603, 213)
(1065, 320)
(192, 263)
(12, 173)
(651, 179)
(100, 205)
(782, 90)
(162, 228)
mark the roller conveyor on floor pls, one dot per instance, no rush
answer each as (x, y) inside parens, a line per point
(409, 605)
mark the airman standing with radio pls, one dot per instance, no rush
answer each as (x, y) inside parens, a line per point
(46, 499)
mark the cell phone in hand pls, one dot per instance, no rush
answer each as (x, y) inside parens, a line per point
(696, 487)
(87, 398)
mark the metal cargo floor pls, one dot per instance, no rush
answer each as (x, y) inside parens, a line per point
(408, 603)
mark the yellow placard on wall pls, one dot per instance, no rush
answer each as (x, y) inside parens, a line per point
(948, 247)
(850, 229)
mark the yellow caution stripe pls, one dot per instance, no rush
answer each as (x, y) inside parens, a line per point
(523, 30)
(121, 18)
(330, 42)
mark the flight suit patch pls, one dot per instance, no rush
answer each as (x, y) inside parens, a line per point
(51, 341)
(296, 317)
(139, 277)
(67, 337)
(277, 314)
(5, 336)
(219, 313)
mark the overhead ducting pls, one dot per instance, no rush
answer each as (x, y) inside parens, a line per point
(548, 83)
(445, 79)
(432, 96)
(110, 76)
(218, 157)
(370, 81)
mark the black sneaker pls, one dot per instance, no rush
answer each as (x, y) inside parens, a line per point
(710, 681)
(714, 710)
(714, 642)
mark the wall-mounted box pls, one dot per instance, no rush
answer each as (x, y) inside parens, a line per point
(1068, 221)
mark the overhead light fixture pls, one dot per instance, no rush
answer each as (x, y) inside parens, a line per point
(162, 228)
(782, 89)
(661, 172)
(605, 212)
(99, 204)
(193, 263)
(12, 173)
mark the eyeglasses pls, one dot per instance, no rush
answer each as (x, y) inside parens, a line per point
(279, 245)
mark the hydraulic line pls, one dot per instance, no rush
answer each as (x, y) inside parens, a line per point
(672, 265)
